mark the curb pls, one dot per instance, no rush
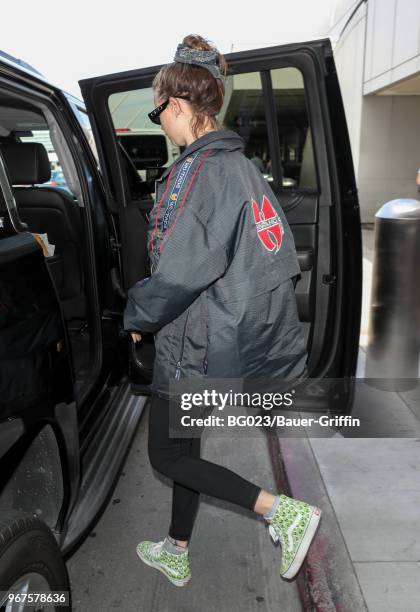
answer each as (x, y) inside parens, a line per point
(327, 581)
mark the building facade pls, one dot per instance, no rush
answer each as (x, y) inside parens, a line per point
(377, 52)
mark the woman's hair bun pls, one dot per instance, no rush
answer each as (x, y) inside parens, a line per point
(195, 41)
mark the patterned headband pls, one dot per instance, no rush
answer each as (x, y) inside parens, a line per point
(199, 57)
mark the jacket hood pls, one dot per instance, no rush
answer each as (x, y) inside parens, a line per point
(218, 139)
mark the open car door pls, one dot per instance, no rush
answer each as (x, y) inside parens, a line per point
(285, 102)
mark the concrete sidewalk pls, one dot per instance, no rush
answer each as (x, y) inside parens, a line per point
(234, 564)
(367, 553)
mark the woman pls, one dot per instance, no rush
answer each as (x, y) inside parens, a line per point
(220, 300)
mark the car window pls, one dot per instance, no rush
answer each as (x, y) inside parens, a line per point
(21, 122)
(297, 156)
(146, 149)
(244, 112)
(44, 137)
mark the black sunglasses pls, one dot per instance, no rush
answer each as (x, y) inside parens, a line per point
(154, 114)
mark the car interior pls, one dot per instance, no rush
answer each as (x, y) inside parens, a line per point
(31, 145)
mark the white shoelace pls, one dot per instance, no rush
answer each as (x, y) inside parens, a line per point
(273, 534)
(156, 548)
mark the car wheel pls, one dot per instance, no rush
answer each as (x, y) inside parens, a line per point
(30, 562)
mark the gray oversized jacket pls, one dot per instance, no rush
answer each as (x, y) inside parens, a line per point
(220, 299)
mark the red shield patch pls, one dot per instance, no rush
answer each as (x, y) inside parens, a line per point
(269, 226)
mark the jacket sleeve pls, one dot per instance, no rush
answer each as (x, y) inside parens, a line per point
(191, 259)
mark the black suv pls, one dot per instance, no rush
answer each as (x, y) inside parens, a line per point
(74, 203)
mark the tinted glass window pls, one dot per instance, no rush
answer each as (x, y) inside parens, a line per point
(296, 151)
(243, 111)
(146, 151)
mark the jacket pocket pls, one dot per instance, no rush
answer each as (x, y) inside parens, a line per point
(181, 352)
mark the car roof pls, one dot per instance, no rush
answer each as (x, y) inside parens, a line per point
(21, 63)
(23, 66)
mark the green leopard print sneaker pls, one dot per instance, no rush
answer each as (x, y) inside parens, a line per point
(175, 567)
(294, 524)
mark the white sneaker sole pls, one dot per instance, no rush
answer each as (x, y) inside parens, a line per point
(178, 583)
(304, 545)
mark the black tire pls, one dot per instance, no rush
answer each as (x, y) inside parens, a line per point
(27, 545)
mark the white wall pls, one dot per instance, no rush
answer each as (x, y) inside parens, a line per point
(381, 45)
(389, 151)
(392, 42)
(349, 59)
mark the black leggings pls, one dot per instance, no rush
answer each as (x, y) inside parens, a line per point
(179, 460)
